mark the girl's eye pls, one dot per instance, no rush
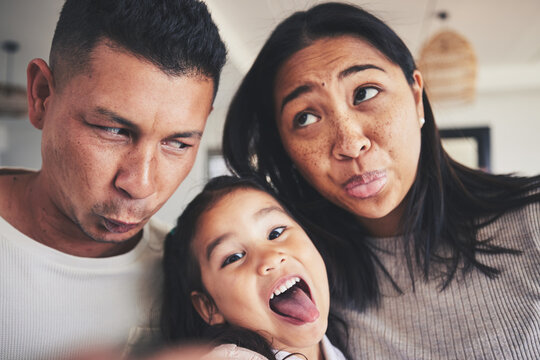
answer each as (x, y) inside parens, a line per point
(305, 119)
(275, 233)
(232, 258)
(364, 93)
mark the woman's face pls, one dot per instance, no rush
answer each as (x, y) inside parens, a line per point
(351, 124)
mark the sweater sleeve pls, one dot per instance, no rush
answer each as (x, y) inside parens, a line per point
(231, 351)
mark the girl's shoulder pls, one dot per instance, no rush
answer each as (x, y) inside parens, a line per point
(232, 351)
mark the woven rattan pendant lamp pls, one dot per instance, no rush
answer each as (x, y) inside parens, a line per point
(448, 64)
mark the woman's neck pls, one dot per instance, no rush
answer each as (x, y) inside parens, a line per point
(387, 226)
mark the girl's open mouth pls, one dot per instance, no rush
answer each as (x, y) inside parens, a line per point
(293, 301)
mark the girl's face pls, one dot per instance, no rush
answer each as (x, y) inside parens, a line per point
(351, 124)
(262, 271)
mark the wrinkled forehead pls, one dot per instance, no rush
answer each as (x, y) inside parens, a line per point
(326, 55)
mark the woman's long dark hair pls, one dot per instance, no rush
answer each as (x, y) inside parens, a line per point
(180, 321)
(446, 205)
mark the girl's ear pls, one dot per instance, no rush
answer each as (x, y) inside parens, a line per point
(39, 90)
(206, 308)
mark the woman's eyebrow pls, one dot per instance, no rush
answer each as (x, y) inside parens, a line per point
(294, 94)
(307, 88)
(357, 68)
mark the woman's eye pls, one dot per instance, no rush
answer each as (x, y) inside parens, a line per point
(232, 258)
(305, 119)
(275, 233)
(364, 93)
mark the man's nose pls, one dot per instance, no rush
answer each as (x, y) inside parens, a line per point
(137, 174)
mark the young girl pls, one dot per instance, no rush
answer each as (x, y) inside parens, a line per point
(240, 271)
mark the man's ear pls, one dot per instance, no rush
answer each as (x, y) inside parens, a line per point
(206, 308)
(40, 87)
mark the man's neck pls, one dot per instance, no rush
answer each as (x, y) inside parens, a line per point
(25, 204)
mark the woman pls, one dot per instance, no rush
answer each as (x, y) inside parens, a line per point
(429, 259)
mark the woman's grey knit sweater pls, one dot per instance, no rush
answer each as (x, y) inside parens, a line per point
(475, 317)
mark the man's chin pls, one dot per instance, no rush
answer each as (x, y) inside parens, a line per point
(107, 237)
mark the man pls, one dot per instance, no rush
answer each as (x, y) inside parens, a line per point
(122, 108)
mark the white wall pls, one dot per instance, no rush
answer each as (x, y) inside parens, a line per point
(514, 121)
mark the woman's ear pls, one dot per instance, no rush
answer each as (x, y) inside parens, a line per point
(206, 308)
(40, 87)
(417, 89)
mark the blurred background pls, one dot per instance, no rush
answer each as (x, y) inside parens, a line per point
(488, 52)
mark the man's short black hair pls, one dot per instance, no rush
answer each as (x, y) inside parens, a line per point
(177, 36)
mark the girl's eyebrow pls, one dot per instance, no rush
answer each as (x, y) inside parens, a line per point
(210, 248)
(264, 211)
(258, 214)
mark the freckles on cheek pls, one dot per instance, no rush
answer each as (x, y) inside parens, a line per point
(306, 156)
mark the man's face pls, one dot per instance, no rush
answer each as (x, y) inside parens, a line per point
(118, 140)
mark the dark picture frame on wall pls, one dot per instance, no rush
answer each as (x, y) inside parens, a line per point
(469, 146)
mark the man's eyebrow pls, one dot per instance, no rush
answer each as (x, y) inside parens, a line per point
(116, 118)
(120, 120)
(357, 68)
(187, 134)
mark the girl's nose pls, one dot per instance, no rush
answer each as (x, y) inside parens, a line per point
(270, 261)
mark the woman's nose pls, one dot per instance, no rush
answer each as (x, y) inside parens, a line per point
(136, 175)
(270, 260)
(349, 139)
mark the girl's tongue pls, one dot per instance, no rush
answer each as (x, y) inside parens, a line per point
(295, 303)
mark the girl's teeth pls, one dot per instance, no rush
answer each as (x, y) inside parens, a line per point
(288, 284)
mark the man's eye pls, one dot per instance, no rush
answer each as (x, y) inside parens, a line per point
(275, 233)
(113, 130)
(232, 258)
(364, 93)
(305, 119)
(175, 144)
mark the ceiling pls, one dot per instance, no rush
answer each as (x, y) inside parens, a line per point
(505, 34)
(501, 31)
